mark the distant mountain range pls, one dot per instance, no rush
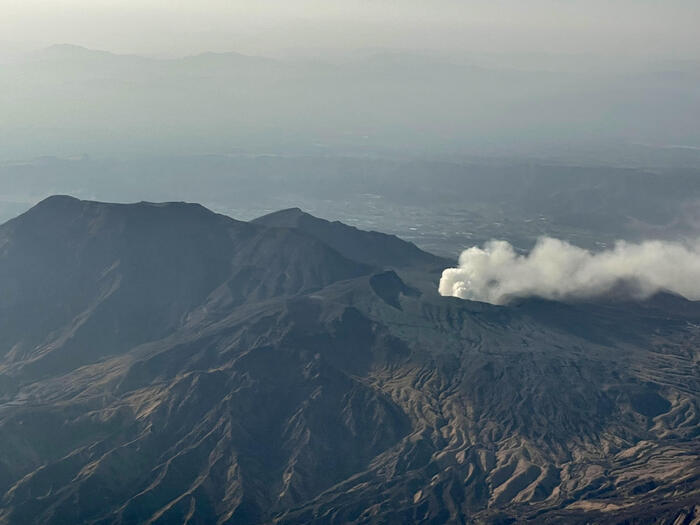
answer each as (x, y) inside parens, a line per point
(68, 100)
(160, 363)
(67, 53)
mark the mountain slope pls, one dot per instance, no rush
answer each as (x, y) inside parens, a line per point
(375, 248)
(278, 382)
(82, 277)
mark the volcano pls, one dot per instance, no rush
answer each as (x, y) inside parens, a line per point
(161, 363)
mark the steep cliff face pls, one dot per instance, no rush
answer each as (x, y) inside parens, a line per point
(164, 364)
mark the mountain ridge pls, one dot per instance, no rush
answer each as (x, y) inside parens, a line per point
(379, 249)
(118, 241)
(259, 376)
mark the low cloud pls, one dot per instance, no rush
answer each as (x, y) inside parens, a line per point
(556, 269)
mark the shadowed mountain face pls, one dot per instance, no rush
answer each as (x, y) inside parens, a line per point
(82, 280)
(378, 249)
(160, 363)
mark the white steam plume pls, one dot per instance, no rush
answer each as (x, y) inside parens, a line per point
(555, 269)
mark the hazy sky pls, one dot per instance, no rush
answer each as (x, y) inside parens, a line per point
(659, 28)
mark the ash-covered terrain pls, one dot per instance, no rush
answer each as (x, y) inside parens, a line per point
(160, 363)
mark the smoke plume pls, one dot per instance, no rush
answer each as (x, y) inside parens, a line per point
(555, 269)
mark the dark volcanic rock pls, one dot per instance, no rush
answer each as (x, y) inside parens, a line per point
(165, 364)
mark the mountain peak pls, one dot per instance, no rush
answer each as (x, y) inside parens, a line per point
(144, 268)
(58, 200)
(286, 218)
(369, 247)
(57, 205)
(51, 209)
(71, 51)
